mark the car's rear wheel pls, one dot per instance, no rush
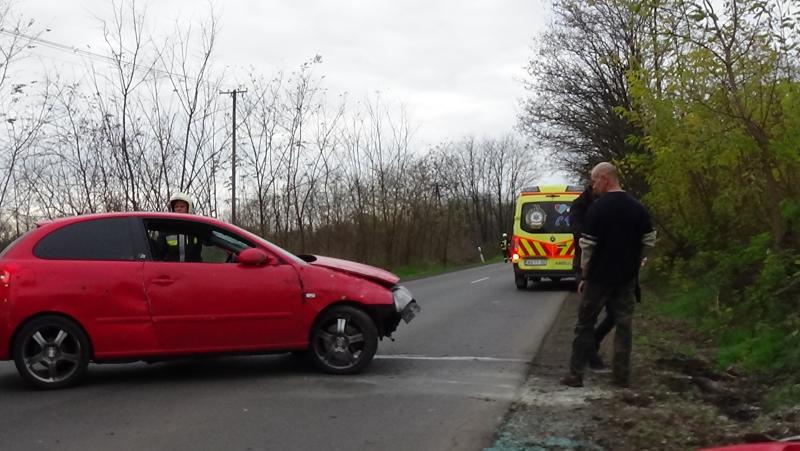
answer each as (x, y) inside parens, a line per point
(521, 282)
(51, 352)
(343, 340)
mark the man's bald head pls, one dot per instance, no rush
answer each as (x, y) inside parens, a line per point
(604, 178)
(607, 169)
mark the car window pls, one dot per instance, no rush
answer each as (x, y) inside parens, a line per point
(99, 239)
(186, 241)
(545, 217)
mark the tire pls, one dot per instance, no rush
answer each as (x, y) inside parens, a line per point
(344, 340)
(51, 352)
(521, 282)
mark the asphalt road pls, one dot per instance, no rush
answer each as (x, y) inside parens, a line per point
(444, 384)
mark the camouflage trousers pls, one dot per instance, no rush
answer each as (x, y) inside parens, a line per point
(619, 299)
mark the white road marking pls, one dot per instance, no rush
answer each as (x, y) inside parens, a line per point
(482, 384)
(480, 280)
(449, 358)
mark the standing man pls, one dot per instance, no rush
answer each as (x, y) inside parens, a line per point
(614, 238)
(504, 247)
(577, 218)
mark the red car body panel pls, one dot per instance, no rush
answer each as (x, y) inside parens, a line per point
(772, 446)
(140, 309)
(198, 307)
(329, 286)
(370, 272)
(105, 299)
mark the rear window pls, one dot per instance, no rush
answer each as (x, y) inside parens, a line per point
(546, 217)
(100, 239)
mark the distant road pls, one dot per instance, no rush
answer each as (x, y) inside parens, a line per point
(445, 384)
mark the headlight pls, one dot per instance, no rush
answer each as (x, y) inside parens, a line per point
(405, 304)
(401, 297)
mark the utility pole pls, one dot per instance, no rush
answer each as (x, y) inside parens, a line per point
(233, 153)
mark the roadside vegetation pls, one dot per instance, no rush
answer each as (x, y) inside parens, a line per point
(698, 103)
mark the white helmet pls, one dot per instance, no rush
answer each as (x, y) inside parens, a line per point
(182, 197)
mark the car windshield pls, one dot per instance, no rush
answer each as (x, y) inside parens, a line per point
(545, 217)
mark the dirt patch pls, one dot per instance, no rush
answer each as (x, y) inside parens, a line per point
(678, 400)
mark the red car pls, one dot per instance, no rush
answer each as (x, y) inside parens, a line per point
(772, 446)
(152, 286)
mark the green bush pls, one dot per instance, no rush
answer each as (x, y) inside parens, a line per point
(747, 298)
(761, 350)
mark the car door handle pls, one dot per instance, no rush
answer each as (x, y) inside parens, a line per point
(163, 280)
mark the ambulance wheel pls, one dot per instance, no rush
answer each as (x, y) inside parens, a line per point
(521, 282)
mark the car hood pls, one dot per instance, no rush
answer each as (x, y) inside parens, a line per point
(357, 269)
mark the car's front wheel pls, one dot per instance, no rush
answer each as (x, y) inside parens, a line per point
(51, 352)
(343, 340)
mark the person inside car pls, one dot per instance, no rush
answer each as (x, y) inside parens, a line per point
(178, 247)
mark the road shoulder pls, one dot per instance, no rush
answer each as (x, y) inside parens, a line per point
(678, 401)
(547, 415)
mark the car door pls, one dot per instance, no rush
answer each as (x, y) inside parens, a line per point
(210, 303)
(91, 270)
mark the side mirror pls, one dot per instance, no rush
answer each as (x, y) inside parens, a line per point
(253, 257)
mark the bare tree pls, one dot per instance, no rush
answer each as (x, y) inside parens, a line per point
(578, 83)
(127, 44)
(22, 112)
(261, 127)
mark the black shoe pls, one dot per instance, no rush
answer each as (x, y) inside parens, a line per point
(572, 380)
(622, 382)
(596, 362)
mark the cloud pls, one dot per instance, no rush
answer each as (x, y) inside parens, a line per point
(454, 64)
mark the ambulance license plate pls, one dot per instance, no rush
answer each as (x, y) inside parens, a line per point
(535, 261)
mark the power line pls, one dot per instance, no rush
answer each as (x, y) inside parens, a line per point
(86, 53)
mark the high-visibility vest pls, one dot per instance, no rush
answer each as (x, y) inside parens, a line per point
(180, 241)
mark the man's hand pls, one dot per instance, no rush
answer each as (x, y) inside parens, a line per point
(581, 286)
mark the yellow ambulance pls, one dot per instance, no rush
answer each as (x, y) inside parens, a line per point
(542, 245)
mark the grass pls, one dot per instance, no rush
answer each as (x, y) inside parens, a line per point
(687, 304)
(765, 349)
(756, 350)
(785, 394)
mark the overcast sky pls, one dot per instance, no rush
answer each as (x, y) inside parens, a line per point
(455, 64)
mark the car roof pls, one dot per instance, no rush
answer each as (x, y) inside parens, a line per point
(129, 214)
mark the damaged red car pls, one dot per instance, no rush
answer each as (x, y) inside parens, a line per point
(150, 286)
